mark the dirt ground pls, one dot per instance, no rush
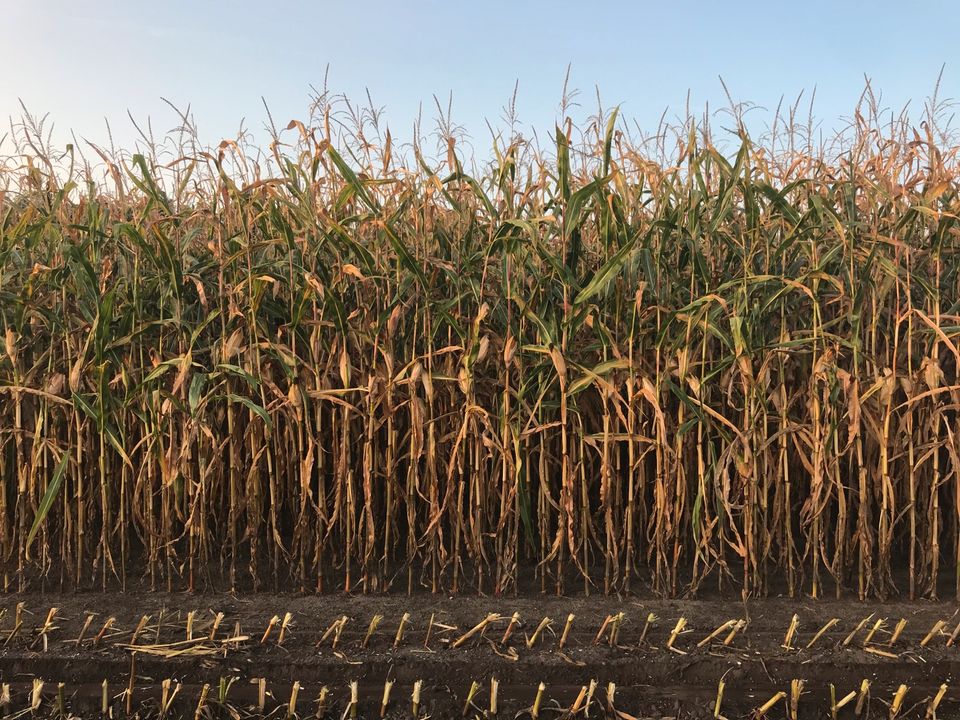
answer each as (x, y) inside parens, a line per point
(651, 679)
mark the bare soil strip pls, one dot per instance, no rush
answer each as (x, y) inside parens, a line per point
(474, 656)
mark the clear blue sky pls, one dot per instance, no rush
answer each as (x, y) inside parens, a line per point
(84, 61)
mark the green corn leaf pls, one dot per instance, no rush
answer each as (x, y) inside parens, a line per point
(48, 498)
(256, 408)
(351, 177)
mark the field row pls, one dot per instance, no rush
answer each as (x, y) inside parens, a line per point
(196, 632)
(257, 698)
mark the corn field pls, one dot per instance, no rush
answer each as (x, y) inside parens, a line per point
(605, 364)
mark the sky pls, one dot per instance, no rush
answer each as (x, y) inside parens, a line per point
(89, 62)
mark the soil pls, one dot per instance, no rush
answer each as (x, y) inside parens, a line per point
(652, 681)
